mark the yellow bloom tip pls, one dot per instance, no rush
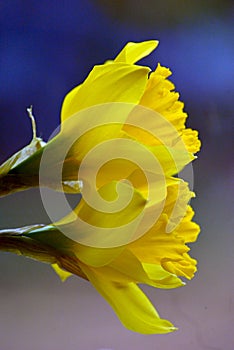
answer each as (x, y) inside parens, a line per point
(173, 329)
(61, 273)
(170, 330)
(133, 51)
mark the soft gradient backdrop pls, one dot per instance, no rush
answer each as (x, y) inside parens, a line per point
(48, 47)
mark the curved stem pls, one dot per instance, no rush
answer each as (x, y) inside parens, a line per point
(13, 240)
(11, 183)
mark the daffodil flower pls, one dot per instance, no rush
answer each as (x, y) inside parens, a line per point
(123, 137)
(121, 82)
(158, 258)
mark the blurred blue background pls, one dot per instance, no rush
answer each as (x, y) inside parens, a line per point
(47, 48)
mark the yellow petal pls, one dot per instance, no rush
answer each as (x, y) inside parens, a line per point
(131, 305)
(62, 273)
(157, 244)
(116, 170)
(95, 236)
(168, 249)
(115, 204)
(117, 82)
(162, 278)
(172, 160)
(188, 230)
(104, 222)
(133, 52)
(136, 271)
(138, 165)
(160, 97)
(190, 139)
(183, 266)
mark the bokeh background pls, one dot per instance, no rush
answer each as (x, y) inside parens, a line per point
(48, 47)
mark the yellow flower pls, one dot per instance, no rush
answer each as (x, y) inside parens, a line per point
(122, 125)
(123, 85)
(158, 258)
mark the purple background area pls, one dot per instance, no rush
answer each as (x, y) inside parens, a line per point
(48, 47)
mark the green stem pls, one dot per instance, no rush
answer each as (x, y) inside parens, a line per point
(14, 241)
(11, 183)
